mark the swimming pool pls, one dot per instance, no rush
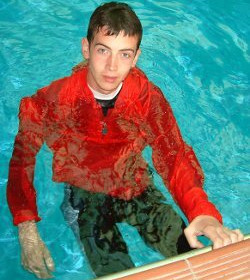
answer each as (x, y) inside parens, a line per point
(196, 51)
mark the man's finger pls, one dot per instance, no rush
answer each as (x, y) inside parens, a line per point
(224, 235)
(48, 260)
(213, 235)
(192, 239)
(43, 275)
(232, 235)
(41, 272)
(240, 236)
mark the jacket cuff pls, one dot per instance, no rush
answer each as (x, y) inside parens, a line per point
(205, 208)
(24, 216)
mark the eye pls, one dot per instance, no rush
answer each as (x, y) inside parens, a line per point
(126, 55)
(102, 51)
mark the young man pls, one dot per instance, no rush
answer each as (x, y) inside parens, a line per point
(97, 122)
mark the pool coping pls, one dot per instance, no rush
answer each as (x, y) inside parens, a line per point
(182, 262)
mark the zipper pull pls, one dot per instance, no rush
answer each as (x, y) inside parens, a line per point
(104, 128)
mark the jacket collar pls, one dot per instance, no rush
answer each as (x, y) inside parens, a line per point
(84, 92)
(130, 90)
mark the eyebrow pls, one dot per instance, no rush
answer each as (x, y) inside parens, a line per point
(122, 50)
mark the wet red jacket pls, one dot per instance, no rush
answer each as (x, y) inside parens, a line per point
(103, 153)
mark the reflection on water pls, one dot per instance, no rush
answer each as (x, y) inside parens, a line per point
(196, 52)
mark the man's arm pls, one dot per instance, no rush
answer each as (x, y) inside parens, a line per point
(21, 193)
(180, 170)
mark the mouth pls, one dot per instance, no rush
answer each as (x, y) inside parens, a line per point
(109, 79)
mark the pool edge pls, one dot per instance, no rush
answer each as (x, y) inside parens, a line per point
(179, 258)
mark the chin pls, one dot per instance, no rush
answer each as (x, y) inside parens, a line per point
(109, 87)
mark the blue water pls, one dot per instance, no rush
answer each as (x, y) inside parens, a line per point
(196, 51)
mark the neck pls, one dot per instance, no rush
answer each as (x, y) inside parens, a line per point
(102, 96)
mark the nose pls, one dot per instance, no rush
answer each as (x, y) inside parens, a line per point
(112, 63)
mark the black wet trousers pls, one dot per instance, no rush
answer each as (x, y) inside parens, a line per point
(94, 221)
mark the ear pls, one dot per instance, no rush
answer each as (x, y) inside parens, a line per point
(138, 52)
(85, 48)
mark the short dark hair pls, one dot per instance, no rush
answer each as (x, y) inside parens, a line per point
(116, 17)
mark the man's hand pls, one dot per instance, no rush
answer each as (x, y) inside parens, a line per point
(214, 230)
(35, 255)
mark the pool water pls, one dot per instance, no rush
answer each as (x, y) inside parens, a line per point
(196, 51)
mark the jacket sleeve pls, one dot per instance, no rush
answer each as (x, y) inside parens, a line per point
(175, 161)
(21, 194)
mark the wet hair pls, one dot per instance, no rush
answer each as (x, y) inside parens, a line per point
(117, 17)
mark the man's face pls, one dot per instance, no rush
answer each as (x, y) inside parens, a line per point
(110, 59)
